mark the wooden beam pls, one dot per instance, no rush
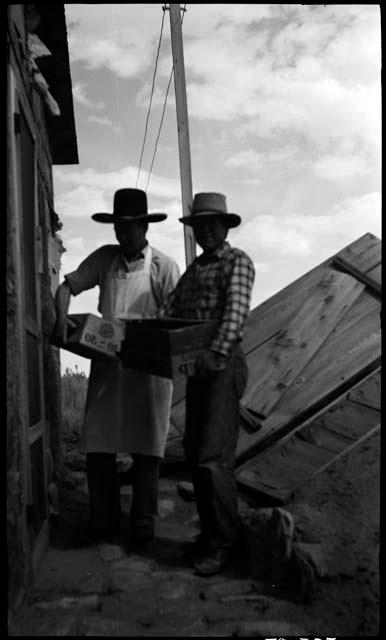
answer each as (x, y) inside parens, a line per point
(343, 265)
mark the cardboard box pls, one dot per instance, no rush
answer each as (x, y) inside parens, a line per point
(94, 336)
(167, 347)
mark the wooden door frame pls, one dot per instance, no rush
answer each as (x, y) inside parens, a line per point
(29, 434)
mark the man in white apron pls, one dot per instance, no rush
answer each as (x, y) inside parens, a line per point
(126, 410)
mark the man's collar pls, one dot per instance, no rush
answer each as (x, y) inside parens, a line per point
(216, 254)
(138, 256)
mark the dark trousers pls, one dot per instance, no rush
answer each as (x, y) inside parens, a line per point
(212, 427)
(103, 485)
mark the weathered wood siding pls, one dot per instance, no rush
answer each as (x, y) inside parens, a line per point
(33, 248)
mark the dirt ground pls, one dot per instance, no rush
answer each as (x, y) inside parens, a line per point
(113, 591)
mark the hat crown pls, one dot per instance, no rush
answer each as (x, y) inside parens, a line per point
(132, 201)
(209, 201)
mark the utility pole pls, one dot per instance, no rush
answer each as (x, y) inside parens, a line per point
(183, 127)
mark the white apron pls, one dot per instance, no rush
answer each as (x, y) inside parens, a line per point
(126, 410)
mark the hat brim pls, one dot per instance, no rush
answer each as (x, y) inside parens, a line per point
(113, 219)
(230, 219)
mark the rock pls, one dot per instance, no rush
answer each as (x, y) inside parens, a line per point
(110, 552)
(45, 623)
(91, 601)
(268, 628)
(75, 480)
(124, 462)
(248, 597)
(186, 491)
(129, 580)
(266, 542)
(306, 566)
(133, 563)
(53, 499)
(103, 626)
(165, 507)
(75, 461)
(174, 591)
(314, 555)
(230, 587)
(281, 528)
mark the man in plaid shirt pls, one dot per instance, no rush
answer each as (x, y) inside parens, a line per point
(217, 285)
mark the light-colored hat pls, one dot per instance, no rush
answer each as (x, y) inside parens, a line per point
(130, 205)
(211, 204)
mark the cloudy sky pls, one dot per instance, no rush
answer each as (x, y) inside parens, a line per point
(284, 105)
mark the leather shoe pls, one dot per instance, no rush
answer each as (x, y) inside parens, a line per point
(211, 563)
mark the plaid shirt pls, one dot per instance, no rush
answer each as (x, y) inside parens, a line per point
(216, 286)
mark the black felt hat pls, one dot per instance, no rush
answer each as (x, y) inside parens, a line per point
(130, 205)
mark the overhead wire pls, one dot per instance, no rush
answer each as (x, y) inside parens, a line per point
(151, 96)
(159, 130)
(163, 112)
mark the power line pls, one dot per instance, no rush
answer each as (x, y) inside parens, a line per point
(163, 112)
(151, 95)
(159, 129)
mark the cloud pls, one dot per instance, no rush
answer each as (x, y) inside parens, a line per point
(251, 160)
(306, 236)
(79, 93)
(283, 76)
(75, 245)
(121, 38)
(309, 70)
(104, 122)
(248, 158)
(79, 192)
(334, 167)
(80, 201)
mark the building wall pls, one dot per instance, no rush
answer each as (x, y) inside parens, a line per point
(33, 450)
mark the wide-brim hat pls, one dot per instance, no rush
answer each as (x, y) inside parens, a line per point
(211, 204)
(130, 205)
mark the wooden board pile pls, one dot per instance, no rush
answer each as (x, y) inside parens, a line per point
(314, 356)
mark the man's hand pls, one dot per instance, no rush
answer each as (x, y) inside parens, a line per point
(210, 362)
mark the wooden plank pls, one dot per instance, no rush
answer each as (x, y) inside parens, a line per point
(280, 468)
(322, 381)
(342, 357)
(346, 267)
(347, 419)
(281, 360)
(265, 319)
(376, 273)
(364, 254)
(339, 410)
(326, 438)
(369, 393)
(268, 489)
(268, 318)
(354, 343)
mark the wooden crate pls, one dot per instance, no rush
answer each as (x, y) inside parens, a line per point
(93, 336)
(165, 347)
